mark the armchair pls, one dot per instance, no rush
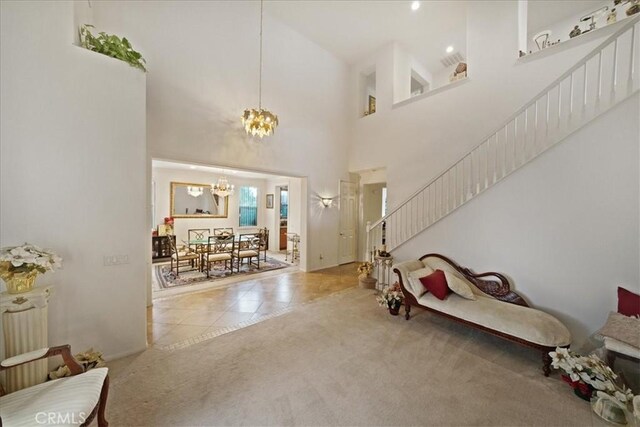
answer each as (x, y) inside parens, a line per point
(71, 400)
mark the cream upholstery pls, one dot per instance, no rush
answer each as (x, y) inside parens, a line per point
(439, 264)
(70, 399)
(246, 254)
(417, 288)
(459, 286)
(219, 257)
(24, 357)
(613, 344)
(522, 322)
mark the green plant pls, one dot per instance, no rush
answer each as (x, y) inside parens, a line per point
(110, 45)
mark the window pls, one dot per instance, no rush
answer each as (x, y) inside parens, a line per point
(248, 203)
(284, 203)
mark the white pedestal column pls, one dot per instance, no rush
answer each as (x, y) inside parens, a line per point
(383, 267)
(24, 327)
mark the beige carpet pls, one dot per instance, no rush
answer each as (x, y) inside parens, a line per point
(342, 360)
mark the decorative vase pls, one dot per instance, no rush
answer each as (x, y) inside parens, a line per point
(20, 283)
(611, 411)
(394, 307)
(580, 389)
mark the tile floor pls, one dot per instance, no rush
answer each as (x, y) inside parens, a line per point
(178, 318)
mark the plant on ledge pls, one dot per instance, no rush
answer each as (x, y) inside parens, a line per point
(110, 45)
(391, 297)
(19, 266)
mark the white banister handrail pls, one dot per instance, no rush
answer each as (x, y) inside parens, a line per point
(596, 51)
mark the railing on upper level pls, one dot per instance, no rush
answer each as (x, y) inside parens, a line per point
(603, 78)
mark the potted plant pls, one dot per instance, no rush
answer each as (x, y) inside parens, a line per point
(591, 379)
(19, 266)
(364, 276)
(391, 297)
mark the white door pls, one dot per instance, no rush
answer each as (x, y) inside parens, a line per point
(348, 222)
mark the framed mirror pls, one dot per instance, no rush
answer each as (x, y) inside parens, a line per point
(190, 200)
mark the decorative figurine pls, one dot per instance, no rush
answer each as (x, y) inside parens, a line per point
(612, 16)
(575, 32)
(635, 8)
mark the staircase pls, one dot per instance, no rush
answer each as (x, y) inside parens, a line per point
(605, 77)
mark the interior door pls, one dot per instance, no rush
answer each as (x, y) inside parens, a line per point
(348, 222)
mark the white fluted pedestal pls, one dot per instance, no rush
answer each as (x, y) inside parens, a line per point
(25, 328)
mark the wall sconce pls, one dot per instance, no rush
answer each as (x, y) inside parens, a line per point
(326, 202)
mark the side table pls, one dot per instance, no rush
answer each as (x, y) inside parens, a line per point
(25, 328)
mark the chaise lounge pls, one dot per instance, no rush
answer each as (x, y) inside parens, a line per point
(491, 305)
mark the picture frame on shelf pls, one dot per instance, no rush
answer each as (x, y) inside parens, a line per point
(372, 104)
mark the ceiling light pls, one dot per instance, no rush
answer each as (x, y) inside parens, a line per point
(415, 5)
(259, 122)
(449, 49)
(222, 188)
(192, 167)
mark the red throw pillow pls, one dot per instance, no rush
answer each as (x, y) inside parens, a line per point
(628, 302)
(436, 283)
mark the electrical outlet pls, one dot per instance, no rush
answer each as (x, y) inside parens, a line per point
(111, 260)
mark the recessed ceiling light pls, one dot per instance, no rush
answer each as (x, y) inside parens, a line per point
(192, 167)
(449, 49)
(415, 5)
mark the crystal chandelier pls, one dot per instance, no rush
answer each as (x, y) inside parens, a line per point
(195, 191)
(259, 122)
(222, 188)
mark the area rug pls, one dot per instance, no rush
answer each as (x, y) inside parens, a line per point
(167, 279)
(343, 361)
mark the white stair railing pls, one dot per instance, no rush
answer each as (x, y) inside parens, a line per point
(602, 79)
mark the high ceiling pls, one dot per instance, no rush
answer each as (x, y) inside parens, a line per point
(354, 29)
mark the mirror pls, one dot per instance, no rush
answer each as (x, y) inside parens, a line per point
(190, 200)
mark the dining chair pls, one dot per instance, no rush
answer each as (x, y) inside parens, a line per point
(219, 249)
(263, 233)
(80, 397)
(197, 238)
(223, 231)
(247, 246)
(182, 254)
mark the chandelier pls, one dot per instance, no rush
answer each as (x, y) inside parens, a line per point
(195, 191)
(259, 122)
(222, 188)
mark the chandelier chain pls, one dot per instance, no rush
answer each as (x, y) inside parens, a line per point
(260, 83)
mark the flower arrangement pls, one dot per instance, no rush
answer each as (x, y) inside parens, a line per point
(88, 359)
(391, 297)
(26, 260)
(588, 374)
(365, 269)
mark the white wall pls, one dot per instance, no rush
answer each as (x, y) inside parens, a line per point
(203, 72)
(564, 228)
(73, 175)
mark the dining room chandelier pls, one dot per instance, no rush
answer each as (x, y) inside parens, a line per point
(259, 122)
(194, 191)
(222, 188)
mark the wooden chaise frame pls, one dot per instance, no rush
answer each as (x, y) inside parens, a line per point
(498, 289)
(76, 369)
